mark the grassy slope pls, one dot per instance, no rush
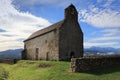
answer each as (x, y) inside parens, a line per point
(30, 70)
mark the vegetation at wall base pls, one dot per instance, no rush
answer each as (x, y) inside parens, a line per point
(53, 70)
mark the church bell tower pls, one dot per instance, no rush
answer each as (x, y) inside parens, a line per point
(71, 13)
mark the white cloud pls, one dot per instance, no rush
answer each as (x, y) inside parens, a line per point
(110, 44)
(110, 32)
(60, 3)
(12, 44)
(108, 3)
(17, 23)
(106, 38)
(104, 15)
(100, 17)
(107, 35)
(99, 1)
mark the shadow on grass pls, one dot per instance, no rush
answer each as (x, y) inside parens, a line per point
(102, 71)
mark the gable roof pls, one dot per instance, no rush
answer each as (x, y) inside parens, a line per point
(45, 30)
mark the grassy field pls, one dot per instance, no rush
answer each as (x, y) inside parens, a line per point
(52, 70)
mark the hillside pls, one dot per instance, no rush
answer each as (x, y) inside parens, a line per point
(94, 50)
(11, 54)
(16, 53)
(53, 70)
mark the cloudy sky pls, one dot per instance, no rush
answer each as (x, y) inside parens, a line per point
(99, 20)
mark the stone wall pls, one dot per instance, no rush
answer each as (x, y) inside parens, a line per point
(90, 63)
(70, 40)
(9, 61)
(43, 47)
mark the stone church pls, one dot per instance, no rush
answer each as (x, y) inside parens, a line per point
(60, 41)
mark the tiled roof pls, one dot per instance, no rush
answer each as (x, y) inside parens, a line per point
(45, 30)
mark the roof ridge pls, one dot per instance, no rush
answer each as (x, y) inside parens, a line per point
(45, 30)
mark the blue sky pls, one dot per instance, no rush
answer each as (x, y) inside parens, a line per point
(99, 20)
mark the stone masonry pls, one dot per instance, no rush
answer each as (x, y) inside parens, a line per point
(60, 41)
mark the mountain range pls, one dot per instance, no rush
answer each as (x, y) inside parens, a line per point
(16, 53)
(101, 51)
(11, 54)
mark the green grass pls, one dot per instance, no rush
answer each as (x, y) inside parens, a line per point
(54, 70)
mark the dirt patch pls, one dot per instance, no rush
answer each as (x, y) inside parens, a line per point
(44, 65)
(30, 62)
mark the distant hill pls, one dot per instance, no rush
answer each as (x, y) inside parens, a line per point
(16, 53)
(11, 54)
(101, 51)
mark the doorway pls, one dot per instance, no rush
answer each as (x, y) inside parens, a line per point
(72, 55)
(36, 54)
(47, 56)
